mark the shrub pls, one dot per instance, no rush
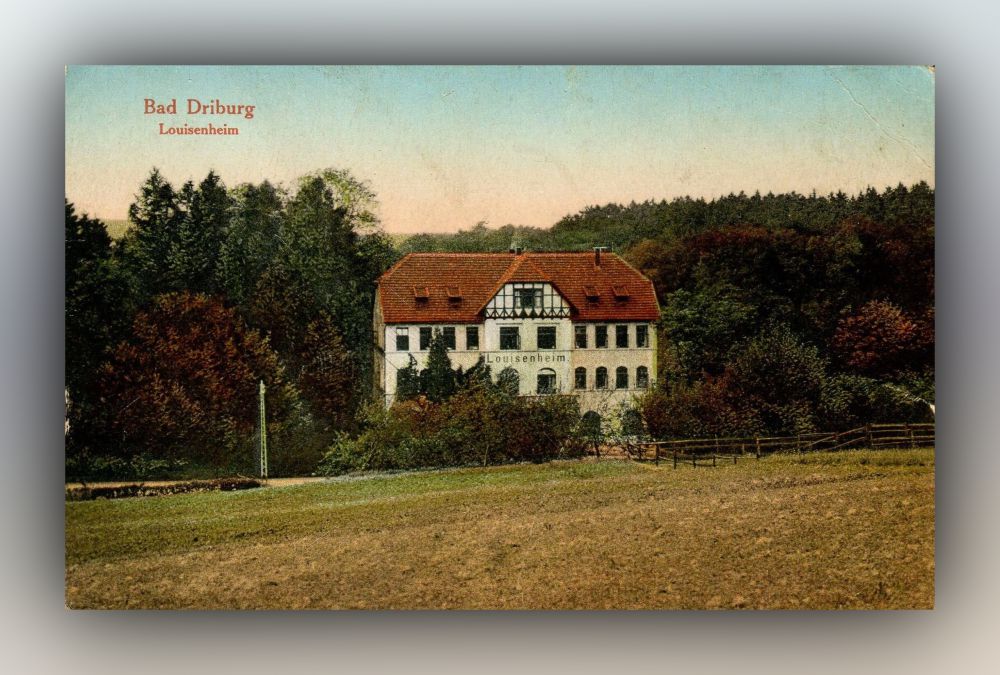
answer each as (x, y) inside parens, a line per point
(696, 410)
(295, 445)
(477, 426)
(778, 379)
(84, 467)
(852, 400)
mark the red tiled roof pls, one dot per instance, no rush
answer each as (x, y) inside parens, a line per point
(481, 275)
(523, 269)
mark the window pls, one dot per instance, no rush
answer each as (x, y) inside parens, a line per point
(621, 377)
(449, 337)
(580, 378)
(425, 338)
(600, 337)
(472, 337)
(546, 337)
(621, 337)
(642, 336)
(581, 336)
(601, 378)
(510, 337)
(528, 298)
(546, 381)
(402, 339)
(642, 377)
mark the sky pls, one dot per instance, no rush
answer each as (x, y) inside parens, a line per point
(447, 147)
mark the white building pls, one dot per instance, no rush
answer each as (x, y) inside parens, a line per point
(569, 323)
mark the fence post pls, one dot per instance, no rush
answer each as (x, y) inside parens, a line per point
(657, 459)
(868, 432)
(713, 459)
(798, 442)
(675, 458)
(909, 432)
(263, 431)
(757, 444)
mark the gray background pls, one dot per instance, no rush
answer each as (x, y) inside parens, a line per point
(39, 38)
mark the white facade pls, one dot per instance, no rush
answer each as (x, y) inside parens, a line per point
(549, 353)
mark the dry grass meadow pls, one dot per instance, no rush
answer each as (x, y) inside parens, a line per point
(843, 530)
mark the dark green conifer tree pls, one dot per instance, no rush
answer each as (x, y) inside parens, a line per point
(194, 253)
(438, 377)
(156, 216)
(408, 381)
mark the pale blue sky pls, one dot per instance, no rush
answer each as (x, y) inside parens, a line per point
(445, 147)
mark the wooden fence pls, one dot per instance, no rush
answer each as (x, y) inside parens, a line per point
(705, 451)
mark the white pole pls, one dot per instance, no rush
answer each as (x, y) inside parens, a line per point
(263, 433)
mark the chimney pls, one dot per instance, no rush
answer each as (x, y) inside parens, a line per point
(514, 248)
(597, 254)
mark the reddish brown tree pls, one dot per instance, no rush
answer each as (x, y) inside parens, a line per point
(881, 339)
(185, 385)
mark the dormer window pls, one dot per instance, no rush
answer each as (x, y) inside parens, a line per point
(621, 291)
(421, 294)
(454, 294)
(592, 293)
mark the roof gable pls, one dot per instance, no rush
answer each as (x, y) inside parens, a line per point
(523, 269)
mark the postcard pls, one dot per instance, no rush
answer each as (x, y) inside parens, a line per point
(490, 337)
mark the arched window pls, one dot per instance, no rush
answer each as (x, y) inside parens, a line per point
(642, 377)
(601, 378)
(580, 378)
(509, 381)
(621, 377)
(546, 381)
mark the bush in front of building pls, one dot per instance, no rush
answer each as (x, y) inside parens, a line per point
(695, 410)
(478, 426)
(849, 401)
(774, 383)
(771, 384)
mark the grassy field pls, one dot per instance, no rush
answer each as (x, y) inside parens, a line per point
(845, 530)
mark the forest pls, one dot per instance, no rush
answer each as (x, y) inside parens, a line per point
(780, 313)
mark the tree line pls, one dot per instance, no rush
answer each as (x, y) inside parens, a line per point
(212, 289)
(780, 313)
(802, 326)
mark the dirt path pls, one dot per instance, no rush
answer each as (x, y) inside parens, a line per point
(270, 482)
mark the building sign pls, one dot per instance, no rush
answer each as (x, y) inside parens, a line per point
(524, 357)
